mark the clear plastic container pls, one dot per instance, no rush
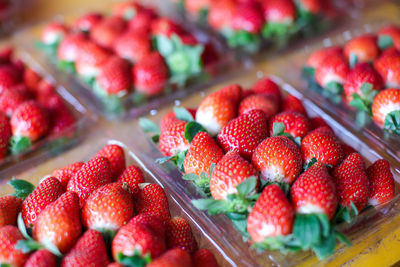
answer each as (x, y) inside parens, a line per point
(49, 144)
(129, 106)
(371, 223)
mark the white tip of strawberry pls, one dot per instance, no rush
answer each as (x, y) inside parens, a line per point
(207, 119)
(373, 202)
(143, 185)
(307, 209)
(87, 70)
(273, 175)
(332, 78)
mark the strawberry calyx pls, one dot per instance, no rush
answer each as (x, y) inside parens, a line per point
(363, 103)
(191, 129)
(176, 160)
(136, 260)
(50, 49)
(278, 129)
(280, 30)
(333, 90)
(184, 61)
(201, 182)
(111, 102)
(385, 41)
(392, 122)
(308, 72)
(345, 213)
(150, 127)
(67, 66)
(20, 144)
(22, 188)
(282, 243)
(247, 41)
(183, 114)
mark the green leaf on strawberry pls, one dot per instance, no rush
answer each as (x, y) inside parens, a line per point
(271, 30)
(176, 159)
(21, 226)
(150, 127)
(113, 104)
(353, 60)
(191, 129)
(136, 260)
(392, 122)
(385, 41)
(183, 114)
(202, 183)
(310, 163)
(308, 71)
(67, 66)
(22, 188)
(247, 41)
(50, 49)
(282, 243)
(345, 214)
(20, 144)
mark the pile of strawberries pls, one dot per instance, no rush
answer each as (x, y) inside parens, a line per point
(283, 178)
(364, 74)
(133, 50)
(30, 108)
(245, 23)
(86, 213)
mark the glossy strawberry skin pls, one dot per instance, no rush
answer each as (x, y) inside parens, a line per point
(115, 77)
(292, 103)
(9, 236)
(10, 99)
(204, 258)
(203, 152)
(64, 174)
(133, 176)
(179, 235)
(315, 60)
(268, 87)
(278, 11)
(278, 159)
(381, 182)
(271, 216)
(87, 21)
(386, 101)
(244, 133)
(41, 258)
(107, 30)
(90, 59)
(296, 124)
(364, 47)
(315, 192)
(69, 47)
(90, 249)
(153, 200)
(388, 66)
(116, 156)
(262, 102)
(53, 32)
(45, 193)
(59, 223)
(165, 26)
(248, 17)
(352, 182)
(170, 117)
(172, 138)
(10, 206)
(334, 68)
(5, 135)
(221, 13)
(94, 174)
(393, 32)
(229, 172)
(171, 258)
(133, 46)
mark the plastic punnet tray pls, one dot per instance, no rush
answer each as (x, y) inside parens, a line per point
(372, 223)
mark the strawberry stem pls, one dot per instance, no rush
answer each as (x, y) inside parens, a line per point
(19, 144)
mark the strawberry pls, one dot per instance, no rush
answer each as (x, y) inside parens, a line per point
(115, 264)
(221, 13)
(86, 22)
(196, 7)
(99, 211)
(126, 10)
(322, 145)
(296, 124)
(179, 235)
(5, 54)
(9, 76)
(381, 182)
(10, 206)
(41, 258)
(171, 258)
(94, 174)
(215, 111)
(389, 36)
(150, 74)
(292, 103)
(388, 66)
(316, 58)
(278, 159)
(352, 182)
(89, 250)
(229, 172)
(31, 79)
(59, 223)
(279, 16)
(45, 193)
(69, 47)
(9, 255)
(271, 216)
(268, 87)
(90, 59)
(165, 26)
(137, 239)
(53, 33)
(152, 200)
(5, 135)
(244, 133)
(29, 122)
(172, 138)
(247, 17)
(363, 48)
(115, 77)
(315, 192)
(262, 102)
(233, 92)
(151, 221)
(133, 176)
(107, 30)
(332, 73)
(142, 21)
(170, 117)
(347, 150)
(10, 100)
(317, 122)
(204, 258)
(310, 6)
(385, 109)
(133, 46)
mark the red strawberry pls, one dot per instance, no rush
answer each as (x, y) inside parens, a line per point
(347, 150)
(90, 59)
(248, 17)
(381, 182)
(244, 133)
(41, 258)
(9, 76)
(142, 21)
(278, 159)
(311, 6)
(107, 30)
(133, 46)
(315, 192)
(215, 111)
(115, 77)
(10, 99)
(364, 48)
(179, 235)
(62, 121)
(126, 10)
(232, 91)
(152, 200)
(150, 74)
(318, 122)
(204, 258)
(59, 223)
(171, 258)
(108, 208)
(69, 47)
(229, 172)
(10, 206)
(333, 69)
(322, 145)
(279, 11)
(89, 250)
(292, 103)
(262, 102)
(296, 124)
(53, 33)
(137, 238)
(115, 264)
(31, 79)
(165, 26)
(268, 87)
(9, 255)
(352, 182)
(315, 59)
(94, 174)
(385, 108)
(388, 66)
(392, 32)
(221, 13)
(203, 152)
(45, 193)
(133, 176)
(195, 7)
(5, 135)
(271, 216)
(151, 221)
(5, 54)
(170, 117)
(87, 22)
(172, 138)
